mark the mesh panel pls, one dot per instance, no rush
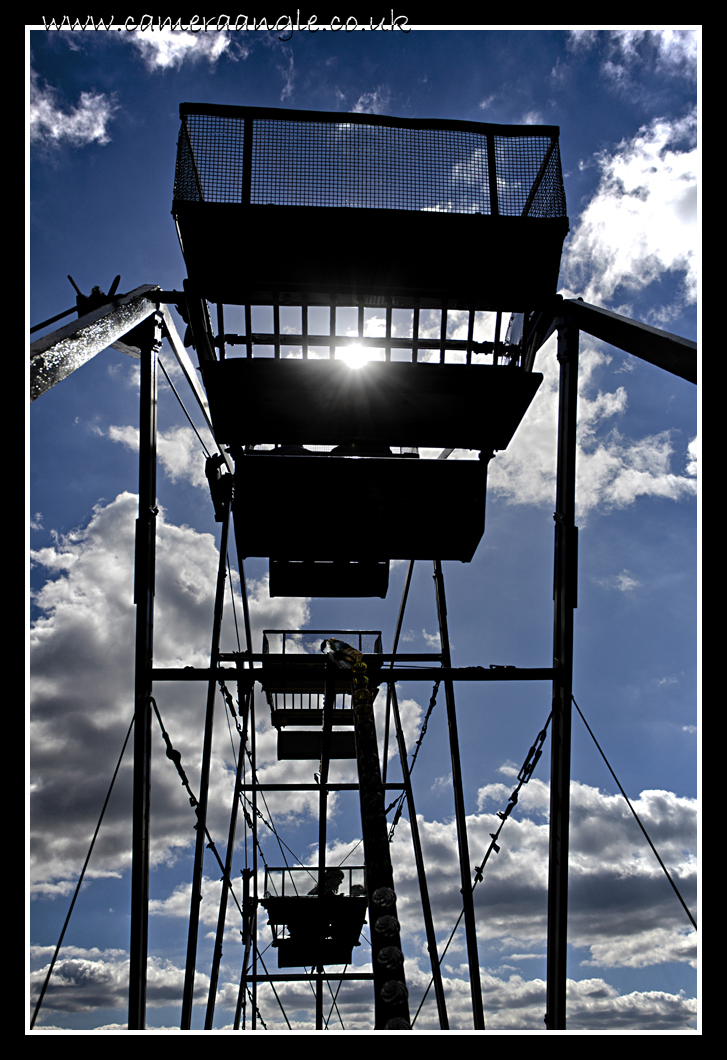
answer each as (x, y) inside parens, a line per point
(324, 164)
(298, 162)
(549, 197)
(518, 163)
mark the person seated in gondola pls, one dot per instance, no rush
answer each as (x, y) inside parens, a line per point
(342, 654)
(332, 880)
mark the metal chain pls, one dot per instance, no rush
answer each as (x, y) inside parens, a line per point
(430, 708)
(399, 802)
(531, 760)
(176, 757)
(526, 771)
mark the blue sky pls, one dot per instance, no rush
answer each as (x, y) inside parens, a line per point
(103, 110)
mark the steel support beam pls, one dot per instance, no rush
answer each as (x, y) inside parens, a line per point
(670, 352)
(419, 859)
(459, 809)
(144, 600)
(226, 879)
(201, 810)
(565, 581)
(53, 357)
(426, 673)
(329, 703)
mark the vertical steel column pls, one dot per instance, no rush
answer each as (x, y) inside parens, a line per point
(144, 563)
(254, 900)
(419, 859)
(227, 880)
(186, 1021)
(565, 581)
(394, 648)
(459, 810)
(246, 941)
(329, 701)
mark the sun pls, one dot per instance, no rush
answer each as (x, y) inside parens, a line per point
(355, 356)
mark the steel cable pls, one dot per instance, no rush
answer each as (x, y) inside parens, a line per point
(648, 840)
(80, 879)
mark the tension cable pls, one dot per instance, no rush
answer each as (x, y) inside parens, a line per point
(80, 880)
(656, 854)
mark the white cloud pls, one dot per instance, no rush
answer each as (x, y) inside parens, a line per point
(674, 51)
(82, 654)
(624, 582)
(622, 909)
(84, 980)
(90, 979)
(611, 470)
(375, 102)
(162, 50)
(442, 784)
(82, 678)
(179, 449)
(642, 221)
(432, 640)
(82, 671)
(52, 125)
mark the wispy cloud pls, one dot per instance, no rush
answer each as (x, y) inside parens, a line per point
(442, 784)
(375, 102)
(52, 124)
(624, 582)
(672, 51)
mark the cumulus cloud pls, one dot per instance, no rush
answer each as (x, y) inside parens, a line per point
(623, 912)
(82, 676)
(642, 222)
(52, 124)
(84, 980)
(179, 450)
(611, 470)
(82, 680)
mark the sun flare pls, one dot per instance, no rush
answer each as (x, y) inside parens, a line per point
(355, 356)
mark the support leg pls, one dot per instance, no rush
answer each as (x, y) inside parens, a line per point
(144, 599)
(196, 899)
(565, 600)
(459, 810)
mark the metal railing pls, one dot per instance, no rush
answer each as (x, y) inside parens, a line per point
(261, 156)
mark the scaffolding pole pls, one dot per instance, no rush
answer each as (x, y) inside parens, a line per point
(186, 1021)
(150, 342)
(459, 809)
(565, 582)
